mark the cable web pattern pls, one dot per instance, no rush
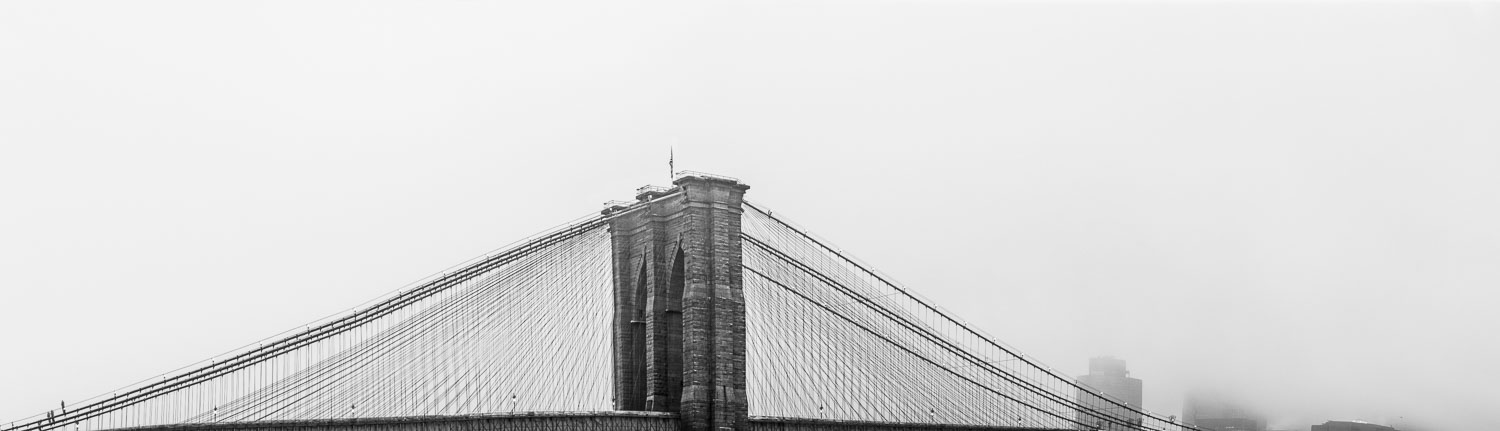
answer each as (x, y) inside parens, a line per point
(525, 329)
(828, 338)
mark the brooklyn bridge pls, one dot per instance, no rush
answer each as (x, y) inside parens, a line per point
(688, 308)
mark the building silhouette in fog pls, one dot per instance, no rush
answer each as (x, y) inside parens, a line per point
(1107, 376)
(1350, 426)
(1217, 412)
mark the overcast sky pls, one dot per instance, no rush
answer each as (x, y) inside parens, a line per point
(1297, 201)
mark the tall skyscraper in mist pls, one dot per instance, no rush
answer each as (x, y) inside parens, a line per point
(1107, 376)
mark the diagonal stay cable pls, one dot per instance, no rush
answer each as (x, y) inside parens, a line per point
(937, 312)
(303, 338)
(923, 332)
(892, 342)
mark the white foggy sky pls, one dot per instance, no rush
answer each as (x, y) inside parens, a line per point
(1294, 200)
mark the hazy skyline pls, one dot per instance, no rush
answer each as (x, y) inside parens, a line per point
(1293, 200)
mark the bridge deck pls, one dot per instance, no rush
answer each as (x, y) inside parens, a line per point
(766, 423)
(581, 421)
(586, 421)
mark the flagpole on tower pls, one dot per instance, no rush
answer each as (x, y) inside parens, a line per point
(671, 168)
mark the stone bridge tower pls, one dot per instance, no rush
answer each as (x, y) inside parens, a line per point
(679, 324)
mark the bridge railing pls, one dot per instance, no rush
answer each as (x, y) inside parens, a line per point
(680, 174)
